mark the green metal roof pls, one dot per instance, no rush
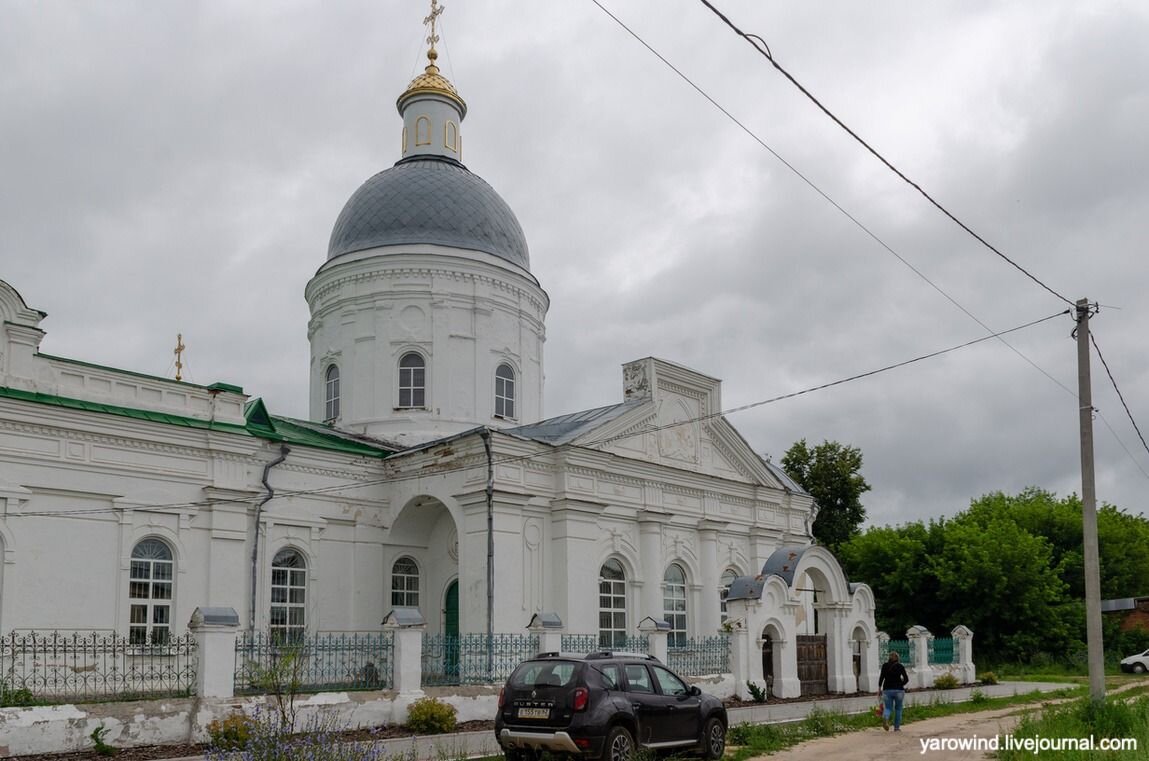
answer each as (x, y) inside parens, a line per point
(259, 424)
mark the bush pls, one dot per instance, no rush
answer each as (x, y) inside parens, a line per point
(758, 694)
(21, 696)
(989, 678)
(232, 733)
(268, 738)
(946, 682)
(977, 697)
(428, 716)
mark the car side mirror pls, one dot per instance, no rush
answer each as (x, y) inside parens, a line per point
(694, 691)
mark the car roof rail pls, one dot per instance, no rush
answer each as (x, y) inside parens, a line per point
(599, 654)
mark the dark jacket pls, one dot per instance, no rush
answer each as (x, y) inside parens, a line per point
(893, 676)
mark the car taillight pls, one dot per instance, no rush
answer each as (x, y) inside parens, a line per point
(581, 698)
(502, 697)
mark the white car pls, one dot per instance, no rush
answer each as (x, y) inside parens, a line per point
(1137, 664)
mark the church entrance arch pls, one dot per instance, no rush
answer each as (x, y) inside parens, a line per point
(424, 538)
(771, 657)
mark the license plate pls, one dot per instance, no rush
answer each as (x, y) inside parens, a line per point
(534, 713)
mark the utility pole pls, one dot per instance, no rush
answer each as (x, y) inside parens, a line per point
(1089, 510)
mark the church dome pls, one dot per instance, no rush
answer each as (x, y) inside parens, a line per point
(429, 199)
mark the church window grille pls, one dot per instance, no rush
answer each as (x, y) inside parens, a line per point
(728, 577)
(331, 394)
(150, 586)
(412, 381)
(405, 584)
(612, 605)
(423, 131)
(674, 604)
(505, 391)
(288, 596)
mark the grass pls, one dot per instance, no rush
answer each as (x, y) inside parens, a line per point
(1115, 718)
(758, 739)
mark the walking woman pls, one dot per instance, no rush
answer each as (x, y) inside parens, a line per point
(892, 687)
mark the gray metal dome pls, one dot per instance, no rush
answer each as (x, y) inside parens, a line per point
(428, 199)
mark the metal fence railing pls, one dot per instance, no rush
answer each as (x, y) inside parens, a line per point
(588, 643)
(942, 651)
(92, 666)
(319, 661)
(899, 646)
(701, 655)
(474, 658)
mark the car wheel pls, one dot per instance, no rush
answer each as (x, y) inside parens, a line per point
(1138, 668)
(619, 745)
(713, 739)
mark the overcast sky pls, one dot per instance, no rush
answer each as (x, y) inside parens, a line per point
(171, 167)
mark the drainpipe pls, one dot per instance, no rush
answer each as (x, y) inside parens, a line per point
(283, 452)
(485, 435)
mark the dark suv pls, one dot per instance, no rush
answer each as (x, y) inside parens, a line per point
(605, 705)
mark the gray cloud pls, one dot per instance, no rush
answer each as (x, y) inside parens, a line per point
(178, 166)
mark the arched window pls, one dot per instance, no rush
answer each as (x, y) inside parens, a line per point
(405, 584)
(288, 596)
(412, 381)
(674, 604)
(505, 391)
(150, 583)
(728, 577)
(612, 605)
(423, 131)
(451, 136)
(331, 393)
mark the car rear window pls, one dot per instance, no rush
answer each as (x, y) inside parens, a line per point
(545, 674)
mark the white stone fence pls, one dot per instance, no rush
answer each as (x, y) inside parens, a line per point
(926, 658)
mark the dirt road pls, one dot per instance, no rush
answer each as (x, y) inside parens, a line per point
(877, 745)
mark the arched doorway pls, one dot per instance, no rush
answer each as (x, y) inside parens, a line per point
(451, 632)
(772, 647)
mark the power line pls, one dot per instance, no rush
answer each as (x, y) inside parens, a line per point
(393, 478)
(1120, 396)
(760, 45)
(858, 223)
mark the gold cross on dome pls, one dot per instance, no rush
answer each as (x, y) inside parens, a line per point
(179, 352)
(436, 11)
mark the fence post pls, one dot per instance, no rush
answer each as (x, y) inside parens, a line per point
(215, 630)
(923, 674)
(655, 632)
(548, 627)
(963, 641)
(407, 627)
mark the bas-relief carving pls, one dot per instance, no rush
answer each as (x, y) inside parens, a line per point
(635, 384)
(678, 544)
(678, 437)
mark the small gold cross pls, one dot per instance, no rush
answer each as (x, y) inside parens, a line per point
(179, 351)
(436, 11)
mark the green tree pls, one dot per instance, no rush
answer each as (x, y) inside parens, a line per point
(831, 473)
(896, 563)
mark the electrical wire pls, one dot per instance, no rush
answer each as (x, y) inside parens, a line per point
(760, 45)
(400, 477)
(829, 199)
(1120, 396)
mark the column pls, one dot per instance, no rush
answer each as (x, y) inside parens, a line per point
(215, 630)
(650, 546)
(963, 642)
(710, 608)
(922, 675)
(655, 631)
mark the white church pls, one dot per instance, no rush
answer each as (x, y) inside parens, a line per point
(425, 477)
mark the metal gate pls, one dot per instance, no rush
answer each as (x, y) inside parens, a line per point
(812, 664)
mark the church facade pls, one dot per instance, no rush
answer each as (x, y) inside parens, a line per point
(425, 477)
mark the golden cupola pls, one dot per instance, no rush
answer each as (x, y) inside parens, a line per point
(431, 107)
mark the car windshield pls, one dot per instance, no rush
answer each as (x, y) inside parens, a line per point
(544, 674)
